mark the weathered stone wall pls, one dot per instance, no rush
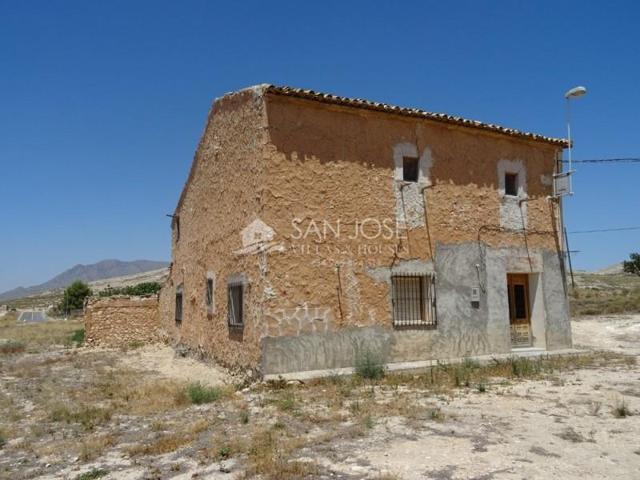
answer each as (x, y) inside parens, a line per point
(221, 197)
(121, 321)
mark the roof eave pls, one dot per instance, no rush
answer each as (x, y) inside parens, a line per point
(411, 112)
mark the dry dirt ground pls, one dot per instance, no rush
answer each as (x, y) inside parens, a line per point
(77, 413)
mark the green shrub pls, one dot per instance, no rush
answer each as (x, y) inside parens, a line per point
(370, 366)
(145, 288)
(73, 297)
(3, 441)
(224, 452)
(92, 474)
(77, 337)
(199, 394)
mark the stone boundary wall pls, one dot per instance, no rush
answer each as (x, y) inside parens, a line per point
(121, 321)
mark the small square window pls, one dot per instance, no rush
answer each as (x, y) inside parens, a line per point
(410, 169)
(511, 184)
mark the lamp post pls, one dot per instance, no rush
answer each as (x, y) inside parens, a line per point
(575, 92)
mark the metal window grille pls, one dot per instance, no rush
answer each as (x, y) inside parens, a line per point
(236, 310)
(413, 301)
(179, 306)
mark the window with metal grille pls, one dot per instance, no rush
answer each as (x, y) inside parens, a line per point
(410, 169)
(511, 184)
(179, 305)
(236, 307)
(413, 301)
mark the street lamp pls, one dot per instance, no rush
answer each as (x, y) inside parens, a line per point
(575, 92)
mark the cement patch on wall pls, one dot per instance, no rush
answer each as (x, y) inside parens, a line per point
(410, 204)
(324, 351)
(464, 327)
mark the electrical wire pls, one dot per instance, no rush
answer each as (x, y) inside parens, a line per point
(599, 230)
(606, 160)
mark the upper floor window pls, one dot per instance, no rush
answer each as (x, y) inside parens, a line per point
(410, 169)
(511, 184)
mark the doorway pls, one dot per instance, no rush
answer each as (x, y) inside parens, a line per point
(519, 309)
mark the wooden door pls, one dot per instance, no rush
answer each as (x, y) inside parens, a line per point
(519, 316)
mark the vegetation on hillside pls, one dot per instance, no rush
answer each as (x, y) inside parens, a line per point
(633, 264)
(597, 294)
(145, 288)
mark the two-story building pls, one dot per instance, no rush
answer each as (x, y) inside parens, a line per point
(314, 228)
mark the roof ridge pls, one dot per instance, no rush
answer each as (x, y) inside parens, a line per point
(407, 111)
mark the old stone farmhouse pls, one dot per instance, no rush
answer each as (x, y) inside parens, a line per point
(314, 228)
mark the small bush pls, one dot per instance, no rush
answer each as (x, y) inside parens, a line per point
(482, 387)
(244, 416)
(2, 440)
(436, 414)
(621, 410)
(522, 367)
(200, 394)
(369, 422)
(77, 337)
(370, 366)
(10, 347)
(224, 452)
(287, 403)
(93, 473)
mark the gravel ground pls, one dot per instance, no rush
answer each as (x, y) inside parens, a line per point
(125, 414)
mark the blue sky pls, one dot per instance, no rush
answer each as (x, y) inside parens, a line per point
(102, 103)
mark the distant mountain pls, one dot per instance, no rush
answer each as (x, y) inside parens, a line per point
(86, 273)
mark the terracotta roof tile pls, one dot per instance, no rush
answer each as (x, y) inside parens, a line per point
(411, 112)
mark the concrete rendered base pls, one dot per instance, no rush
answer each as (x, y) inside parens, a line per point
(423, 364)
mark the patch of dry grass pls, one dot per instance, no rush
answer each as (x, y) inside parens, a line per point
(93, 446)
(605, 294)
(269, 455)
(164, 443)
(38, 337)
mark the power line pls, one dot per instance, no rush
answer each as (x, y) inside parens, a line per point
(620, 229)
(607, 160)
